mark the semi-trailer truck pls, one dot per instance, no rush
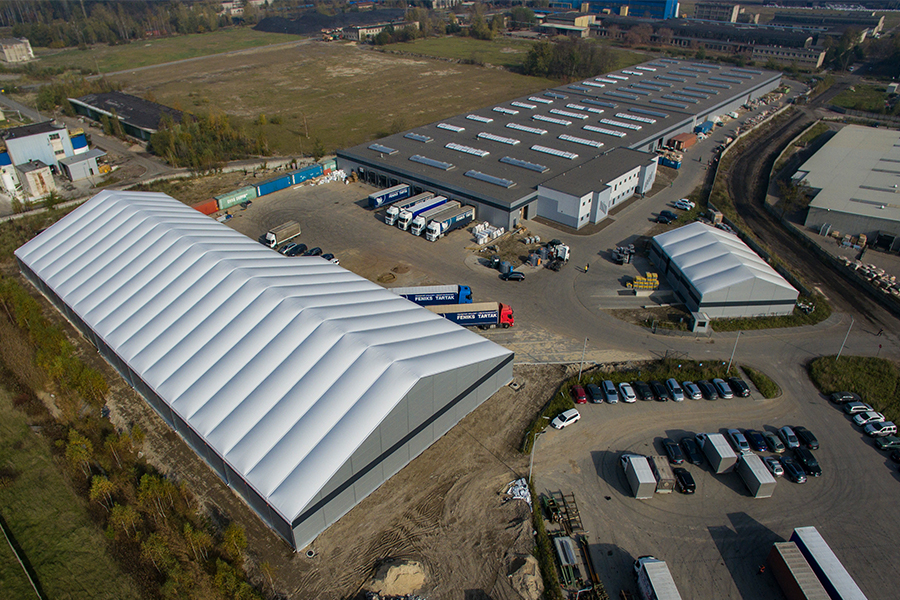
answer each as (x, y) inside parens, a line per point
(445, 223)
(417, 225)
(406, 216)
(479, 314)
(391, 194)
(282, 233)
(831, 573)
(654, 581)
(394, 210)
(427, 295)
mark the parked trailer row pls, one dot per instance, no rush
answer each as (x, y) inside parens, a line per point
(393, 211)
(479, 314)
(389, 195)
(428, 295)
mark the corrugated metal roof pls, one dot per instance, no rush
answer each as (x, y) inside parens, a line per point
(714, 260)
(282, 364)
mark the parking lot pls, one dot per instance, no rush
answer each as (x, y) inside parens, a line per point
(715, 540)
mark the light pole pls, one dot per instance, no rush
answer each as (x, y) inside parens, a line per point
(733, 350)
(845, 340)
(581, 366)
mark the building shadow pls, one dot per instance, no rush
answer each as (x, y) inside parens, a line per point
(744, 548)
(614, 567)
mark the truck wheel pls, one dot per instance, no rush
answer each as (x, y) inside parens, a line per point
(483, 327)
(506, 326)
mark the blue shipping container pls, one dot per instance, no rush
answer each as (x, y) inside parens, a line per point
(705, 127)
(306, 173)
(668, 162)
(273, 185)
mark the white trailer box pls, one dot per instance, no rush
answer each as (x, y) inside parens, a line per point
(640, 477)
(719, 452)
(665, 479)
(756, 476)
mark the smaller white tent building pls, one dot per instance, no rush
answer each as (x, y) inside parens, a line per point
(716, 273)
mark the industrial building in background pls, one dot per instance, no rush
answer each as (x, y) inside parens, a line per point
(139, 118)
(853, 183)
(716, 274)
(569, 154)
(16, 50)
(302, 385)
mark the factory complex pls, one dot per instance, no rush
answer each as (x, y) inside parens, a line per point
(569, 154)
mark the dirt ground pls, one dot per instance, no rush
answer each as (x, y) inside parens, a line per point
(445, 509)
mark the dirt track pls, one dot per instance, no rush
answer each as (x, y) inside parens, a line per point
(747, 185)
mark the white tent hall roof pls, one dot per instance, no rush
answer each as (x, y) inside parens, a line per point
(283, 365)
(715, 260)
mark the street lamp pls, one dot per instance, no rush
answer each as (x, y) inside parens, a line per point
(733, 350)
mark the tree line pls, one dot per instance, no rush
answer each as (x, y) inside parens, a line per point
(206, 142)
(568, 59)
(54, 24)
(153, 524)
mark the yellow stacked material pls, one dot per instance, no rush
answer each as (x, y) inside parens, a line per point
(649, 282)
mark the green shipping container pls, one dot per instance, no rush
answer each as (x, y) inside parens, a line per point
(236, 197)
(330, 164)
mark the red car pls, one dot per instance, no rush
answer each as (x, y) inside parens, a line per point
(578, 394)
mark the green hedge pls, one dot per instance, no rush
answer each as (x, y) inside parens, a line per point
(765, 385)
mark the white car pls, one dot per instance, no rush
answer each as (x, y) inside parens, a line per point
(684, 204)
(627, 392)
(565, 418)
(880, 429)
(870, 416)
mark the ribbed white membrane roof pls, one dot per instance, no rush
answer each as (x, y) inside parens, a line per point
(284, 365)
(713, 259)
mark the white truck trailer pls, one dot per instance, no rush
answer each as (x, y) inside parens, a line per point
(654, 581)
(756, 476)
(417, 225)
(719, 452)
(640, 477)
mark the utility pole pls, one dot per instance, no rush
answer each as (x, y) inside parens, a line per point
(733, 350)
(845, 340)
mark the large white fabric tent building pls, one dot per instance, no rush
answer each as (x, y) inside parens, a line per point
(303, 385)
(714, 272)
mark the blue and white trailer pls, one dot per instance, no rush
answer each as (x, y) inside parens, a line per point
(391, 194)
(427, 295)
(394, 210)
(831, 573)
(406, 216)
(448, 221)
(479, 314)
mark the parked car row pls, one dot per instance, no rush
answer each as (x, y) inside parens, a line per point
(608, 392)
(295, 249)
(873, 423)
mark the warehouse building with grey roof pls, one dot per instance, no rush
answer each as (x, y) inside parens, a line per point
(714, 273)
(854, 180)
(302, 385)
(568, 154)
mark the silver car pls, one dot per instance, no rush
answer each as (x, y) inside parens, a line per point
(609, 391)
(774, 465)
(723, 389)
(851, 408)
(787, 436)
(691, 389)
(627, 391)
(675, 390)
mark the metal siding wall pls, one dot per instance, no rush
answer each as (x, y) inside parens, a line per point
(847, 223)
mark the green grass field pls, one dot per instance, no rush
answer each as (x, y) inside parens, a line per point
(869, 98)
(338, 93)
(876, 380)
(158, 51)
(502, 52)
(65, 549)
